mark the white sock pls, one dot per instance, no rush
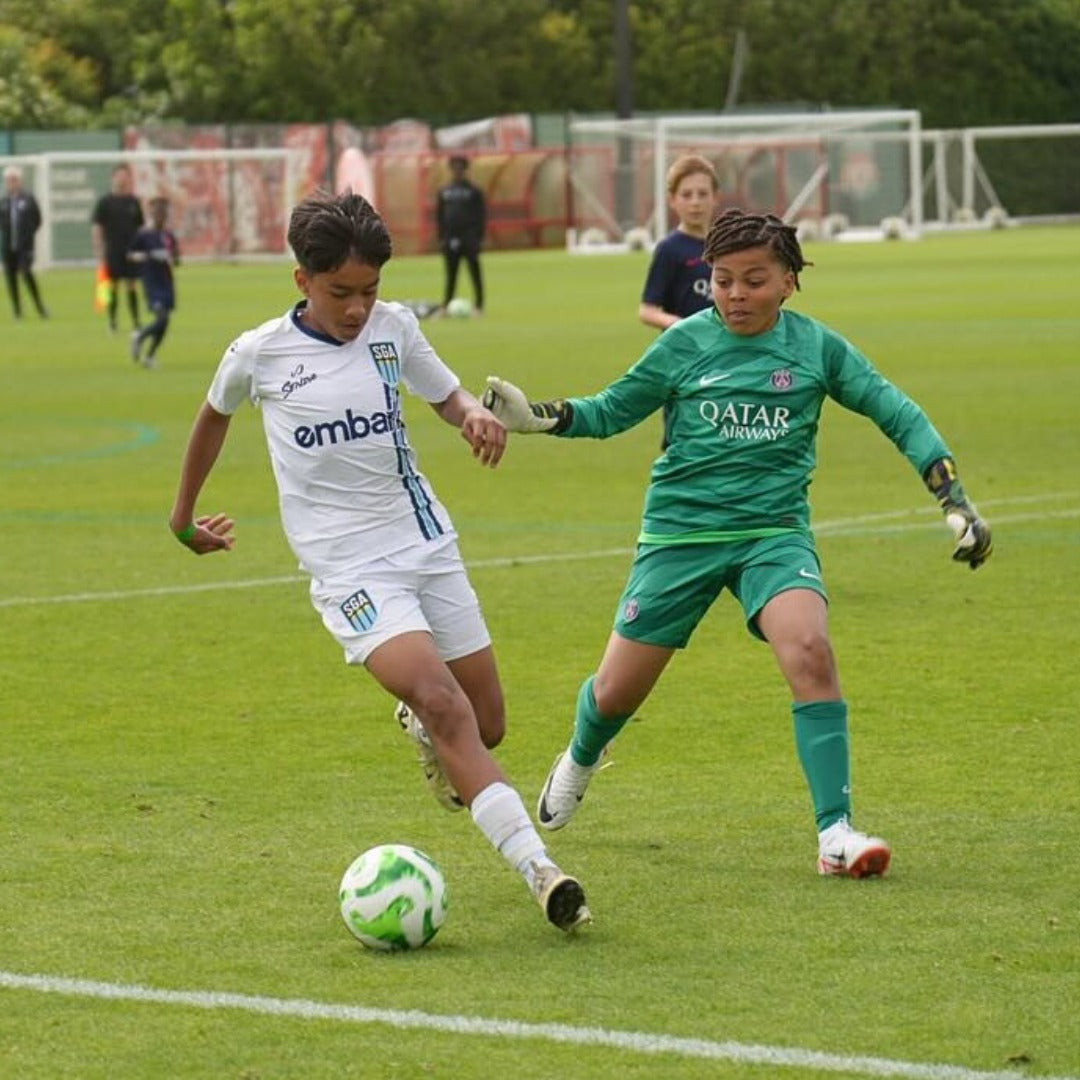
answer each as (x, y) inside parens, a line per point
(500, 815)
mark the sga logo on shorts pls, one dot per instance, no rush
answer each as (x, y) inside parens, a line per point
(359, 610)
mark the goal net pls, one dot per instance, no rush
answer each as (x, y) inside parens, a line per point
(1023, 173)
(834, 171)
(222, 203)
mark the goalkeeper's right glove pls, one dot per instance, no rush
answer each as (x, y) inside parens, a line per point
(974, 544)
(510, 405)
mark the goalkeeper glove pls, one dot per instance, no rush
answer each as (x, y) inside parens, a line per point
(974, 544)
(518, 413)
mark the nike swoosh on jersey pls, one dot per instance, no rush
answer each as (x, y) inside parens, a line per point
(708, 380)
(808, 574)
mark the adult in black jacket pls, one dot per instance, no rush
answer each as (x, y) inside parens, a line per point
(461, 217)
(20, 219)
(117, 217)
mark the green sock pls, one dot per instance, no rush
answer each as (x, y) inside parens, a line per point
(821, 736)
(592, 732)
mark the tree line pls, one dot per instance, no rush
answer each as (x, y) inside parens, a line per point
(100, 63)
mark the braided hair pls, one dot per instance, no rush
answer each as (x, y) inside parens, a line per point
(736, 230)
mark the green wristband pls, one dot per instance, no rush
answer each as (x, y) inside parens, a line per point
(186, 534)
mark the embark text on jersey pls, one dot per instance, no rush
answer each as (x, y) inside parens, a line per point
(345, 429)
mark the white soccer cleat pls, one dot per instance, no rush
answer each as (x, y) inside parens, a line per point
(436, 779)
(563, 791)
(846, 853)
(561, 897)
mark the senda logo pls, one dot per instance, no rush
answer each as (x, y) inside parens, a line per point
(352, 426)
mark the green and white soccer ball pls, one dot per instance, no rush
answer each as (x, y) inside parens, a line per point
(393, 897)
(459, 308)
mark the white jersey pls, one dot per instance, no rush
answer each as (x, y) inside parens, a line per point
(347, 478)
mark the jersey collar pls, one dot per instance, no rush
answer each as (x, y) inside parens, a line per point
(300, 325)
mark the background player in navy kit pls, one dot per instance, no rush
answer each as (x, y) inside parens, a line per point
(727, 507)
(117, 217)
(677, 283)
(156, 251)
(387, 575)
(461, 221)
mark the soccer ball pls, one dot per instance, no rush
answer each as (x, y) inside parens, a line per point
(834, 225)
(459, 308)
(892, 228)
(393, 897)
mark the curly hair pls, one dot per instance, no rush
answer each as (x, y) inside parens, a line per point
(736, 230)
(325, 230)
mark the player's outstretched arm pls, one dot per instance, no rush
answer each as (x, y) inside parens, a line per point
(509, 403)
(974, 544)
(484, 432)
(655, 315)
(209, 532)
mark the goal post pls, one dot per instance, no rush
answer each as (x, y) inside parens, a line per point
(1028, 169)
(863, 166)
(223, 204)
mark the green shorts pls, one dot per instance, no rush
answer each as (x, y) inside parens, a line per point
(671, 587)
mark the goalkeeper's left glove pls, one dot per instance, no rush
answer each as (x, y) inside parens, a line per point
(510, 405)
(974, 544)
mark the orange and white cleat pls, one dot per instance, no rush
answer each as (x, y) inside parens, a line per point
(846, 853)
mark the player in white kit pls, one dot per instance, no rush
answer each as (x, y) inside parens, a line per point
(386, 574)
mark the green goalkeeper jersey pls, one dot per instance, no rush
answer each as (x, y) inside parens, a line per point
(743, 421)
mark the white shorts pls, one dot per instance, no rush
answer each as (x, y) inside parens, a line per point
(422, 587)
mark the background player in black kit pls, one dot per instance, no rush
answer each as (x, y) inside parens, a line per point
(117, 217)
(461, 217)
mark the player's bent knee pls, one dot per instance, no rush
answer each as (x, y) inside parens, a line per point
(440, 708)
(810, 667)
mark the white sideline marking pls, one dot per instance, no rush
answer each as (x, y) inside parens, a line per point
(861, 525)
(161, 590)
(632, 1041)
(288, 579)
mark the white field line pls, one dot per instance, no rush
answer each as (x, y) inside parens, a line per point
(287, 579)
(893, 521)
(635, 1042)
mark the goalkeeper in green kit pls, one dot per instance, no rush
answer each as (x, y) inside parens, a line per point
(727, 507)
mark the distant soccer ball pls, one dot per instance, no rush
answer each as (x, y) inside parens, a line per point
(834, 225)
(393, 897)
(459, 308)
(594, 237)
(892, 228)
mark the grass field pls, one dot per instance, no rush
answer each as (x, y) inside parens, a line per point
(188, 766)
